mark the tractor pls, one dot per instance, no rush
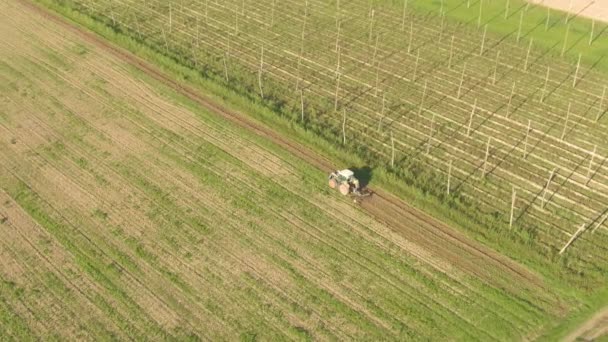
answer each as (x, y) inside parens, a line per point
(345, 182)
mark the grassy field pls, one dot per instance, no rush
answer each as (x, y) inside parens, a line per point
(127, 211)
(423, 97)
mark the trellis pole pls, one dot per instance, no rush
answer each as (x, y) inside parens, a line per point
(510, 100)
(483, 39)
(382, 112)
(428, 143)
(416, 66)
(480, 11)
(513, 198)
(138, 27)
(409, 46)
(528, 54)
(544, 93)
(375, 50)
(377, 79)
(574, 237)
(225, 68)
(451, 53)
(165, 39)
(566, 122)
(599, 223)
(565, 40)
(403, 17)
(274, 2)
(371, 25)
(338, 35)
(542, 203)
(496, 68)
(422, 100)
(339, 60)
(521, 21)
(589, 169)
(578, 65)
(260, 72)
(206, 12)
(507, 10)
(548, 18)
(600, 109)
(344, 126)
(464, 67)
(170, 17)
(337, 92)
(485, 160)
(392, 150)
(526, 140)
(302, 104)
(471, 118)
(592, 29)
(449, 175)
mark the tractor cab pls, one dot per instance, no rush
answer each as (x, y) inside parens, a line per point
(345, 181)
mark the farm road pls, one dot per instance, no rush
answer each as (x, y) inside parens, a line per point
(592, 329)
(441, 240)
(595, 9)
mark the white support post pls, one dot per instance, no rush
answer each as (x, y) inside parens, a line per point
(496, 68)
(430, 136)
(528, 54)
(600, 222)
(521, 21)
(165, 39)
(464, 68)
(600, 109)
(302, 104)
(485, 160)
(483, 39)
(206, 12)
(526, 140)
(403, 17)
(592, 29)
(382, 112)
(480, 11)
(422, 100)
(510, 100)
(274, 3)
(371, 26)
(409, 45)
(566, 122)
(589, 174)
(416, 66)
(542, 203)
(375, 50)
(544, 93)
(338, 35)
(565, 40)
(170, 17)
(225, 68)
(471, 118)
(513, 198)
(574, 237)
(392, 150)
(377, 79)
(344, 126)
(260, 72)
(451, 53)
(449, 175)
(578, 65)
(337, 93)
(507, 10)
(548, 18)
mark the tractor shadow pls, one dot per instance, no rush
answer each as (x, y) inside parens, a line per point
(363, 174)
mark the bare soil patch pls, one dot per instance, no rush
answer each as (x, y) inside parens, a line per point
(594, 9)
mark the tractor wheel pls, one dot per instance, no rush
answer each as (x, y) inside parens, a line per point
(333, 183)
(344, 189)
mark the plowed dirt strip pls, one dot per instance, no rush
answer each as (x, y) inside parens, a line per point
(207, 230)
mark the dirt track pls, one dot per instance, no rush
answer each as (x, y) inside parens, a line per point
(592, 329)
(595, 9)
(421, 228)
